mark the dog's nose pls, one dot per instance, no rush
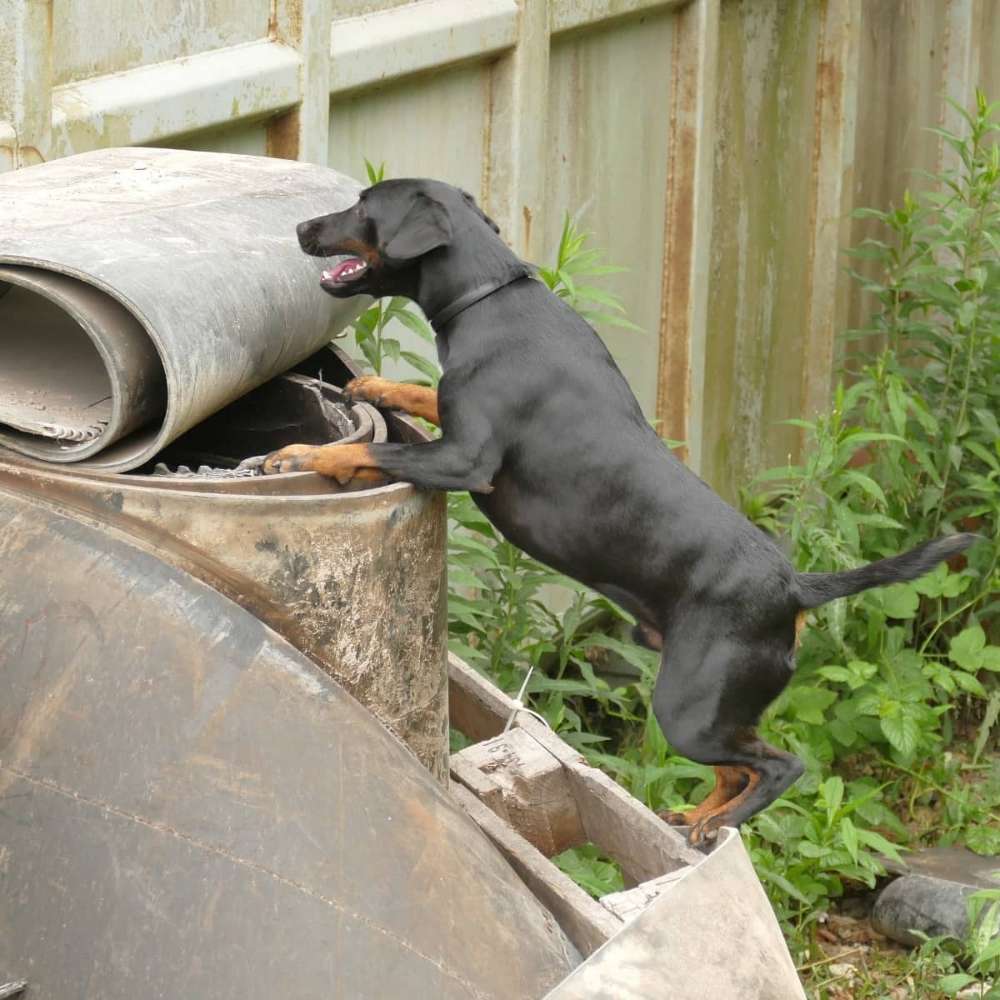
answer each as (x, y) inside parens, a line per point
(304, 232)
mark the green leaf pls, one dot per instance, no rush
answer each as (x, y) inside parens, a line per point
(417, 324)
(867, 484)
(900, 601)
(878, 843)
(809, 703)
(966, 648)
(990, 658)
(849, 835)
(832, 794)
(983, 839)
(902, 731)
(955, 982)
(844, 734)
(969, 682)
(990, 952)
(422, 365)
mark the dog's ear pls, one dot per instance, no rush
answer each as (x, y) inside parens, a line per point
(471, 202)
(425, 227)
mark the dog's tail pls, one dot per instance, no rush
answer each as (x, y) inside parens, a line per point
(813, 589)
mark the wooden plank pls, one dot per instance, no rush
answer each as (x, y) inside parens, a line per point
(625, 829)
(630, 903)
(476, 708)
(466, 773)
(584, 921)
(303, 133)
(533, 784)
(152, 102)
(25, 84)
(385, 45)
(619, 824)
(574, 15)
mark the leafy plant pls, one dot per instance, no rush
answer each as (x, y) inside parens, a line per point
(895, 701)
(576, 265)
(970, 967)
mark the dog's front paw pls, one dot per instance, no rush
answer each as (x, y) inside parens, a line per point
(367, 389)
(292, 458)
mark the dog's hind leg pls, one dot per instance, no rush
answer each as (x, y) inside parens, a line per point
(708, 710)
(729, 782)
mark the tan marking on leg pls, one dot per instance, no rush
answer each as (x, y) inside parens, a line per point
(729, 783)
(710, 821)
(342, 462)
(800, 624)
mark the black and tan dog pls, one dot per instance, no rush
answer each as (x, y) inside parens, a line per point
(541, 427)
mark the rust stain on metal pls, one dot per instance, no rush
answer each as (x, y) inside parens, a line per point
(674, 380)
(284, 135)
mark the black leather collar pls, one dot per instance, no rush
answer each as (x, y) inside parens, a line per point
(446, 314)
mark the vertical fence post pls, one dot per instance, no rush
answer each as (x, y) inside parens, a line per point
(303, 133)
(25, 82)
(688, 233)
(515, 183)
(961, 75)
(835, 115)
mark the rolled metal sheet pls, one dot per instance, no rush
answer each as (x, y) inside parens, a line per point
(141, 290)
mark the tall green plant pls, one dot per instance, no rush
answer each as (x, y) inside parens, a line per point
(888, 681)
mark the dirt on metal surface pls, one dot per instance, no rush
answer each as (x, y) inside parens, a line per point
(354, 579)
(192, 808)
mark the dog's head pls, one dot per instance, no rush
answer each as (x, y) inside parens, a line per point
(387, 233)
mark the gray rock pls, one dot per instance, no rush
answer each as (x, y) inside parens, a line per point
(933, 906)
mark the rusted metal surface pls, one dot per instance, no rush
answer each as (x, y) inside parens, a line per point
(353, 579)
(190, 807)
(684, 300)
(199, 255)
(586, 106)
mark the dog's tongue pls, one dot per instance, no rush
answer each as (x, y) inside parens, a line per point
(343, 268)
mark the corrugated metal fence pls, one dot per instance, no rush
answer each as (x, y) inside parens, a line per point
(715, 147)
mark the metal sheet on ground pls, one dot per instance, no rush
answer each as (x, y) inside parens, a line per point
(189, 807)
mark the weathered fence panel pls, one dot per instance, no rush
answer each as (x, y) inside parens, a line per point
(714, 147)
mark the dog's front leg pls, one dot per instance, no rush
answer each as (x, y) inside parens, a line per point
(416, 400)
(444, 464)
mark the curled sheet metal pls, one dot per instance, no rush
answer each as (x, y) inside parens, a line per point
(141, 290)
(191, 808)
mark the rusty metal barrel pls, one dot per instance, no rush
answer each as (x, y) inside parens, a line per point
(354, 578)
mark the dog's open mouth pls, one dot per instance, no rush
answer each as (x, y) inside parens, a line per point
(343, 273)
